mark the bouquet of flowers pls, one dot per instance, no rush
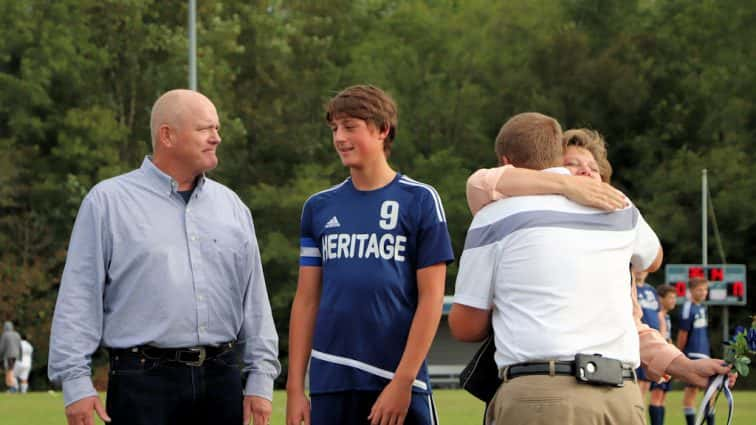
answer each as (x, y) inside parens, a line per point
(738, 353)
(741, 348)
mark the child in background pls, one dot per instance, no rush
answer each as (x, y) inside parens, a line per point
(693, 339)
(667, 302)
(649, 303)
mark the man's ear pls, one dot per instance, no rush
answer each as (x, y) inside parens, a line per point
(164, 136)
(503, 160)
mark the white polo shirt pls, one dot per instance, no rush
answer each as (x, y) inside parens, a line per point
(556, 275)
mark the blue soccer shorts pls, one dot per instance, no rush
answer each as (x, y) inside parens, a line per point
(353, 408)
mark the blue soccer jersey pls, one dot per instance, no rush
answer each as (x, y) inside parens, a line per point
(369, 245)
(693, 320)
(649, 303)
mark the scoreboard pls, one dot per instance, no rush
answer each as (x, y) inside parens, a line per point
(727, 282)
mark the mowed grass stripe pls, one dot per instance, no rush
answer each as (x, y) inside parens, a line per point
(455, 407)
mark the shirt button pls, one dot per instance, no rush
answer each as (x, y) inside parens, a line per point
(188, 210)
(194, 238)
(200, 298)
(202, 329)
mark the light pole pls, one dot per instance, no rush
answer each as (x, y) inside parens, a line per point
(192, 45)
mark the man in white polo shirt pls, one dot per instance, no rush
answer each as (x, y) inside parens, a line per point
(551, 276)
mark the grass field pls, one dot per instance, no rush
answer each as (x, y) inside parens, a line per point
(455, 407)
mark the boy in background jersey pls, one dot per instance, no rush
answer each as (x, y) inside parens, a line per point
(693, 339)
(649, 303)
(23, 365)
(373, 257)
(667, 302)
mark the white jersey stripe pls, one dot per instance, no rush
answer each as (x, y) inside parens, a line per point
(309, 252)
(436, 196)
(432, 410)
(345, 361)
(436, 199)
(698, 356)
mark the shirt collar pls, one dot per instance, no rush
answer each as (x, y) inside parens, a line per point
(163, 181)
(557, 170)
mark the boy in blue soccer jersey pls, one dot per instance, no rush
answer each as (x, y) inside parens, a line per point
(649, 303)
(373, 258)
(693, 339)
(667, 302)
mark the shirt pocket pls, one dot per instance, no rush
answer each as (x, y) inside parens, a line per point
(224, 247)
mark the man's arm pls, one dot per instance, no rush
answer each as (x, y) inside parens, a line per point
(394, 400)
(661, 357)
(469, 324)
(488, 185)
(304, 310)
(78, 317)
(470, 315)
(655, 353)
(260, 341)
(663, 324)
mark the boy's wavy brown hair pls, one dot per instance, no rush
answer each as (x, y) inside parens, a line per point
(368, 103)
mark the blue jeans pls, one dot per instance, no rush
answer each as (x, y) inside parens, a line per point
(142, 391)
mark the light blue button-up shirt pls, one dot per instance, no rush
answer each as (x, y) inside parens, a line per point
(146, 268)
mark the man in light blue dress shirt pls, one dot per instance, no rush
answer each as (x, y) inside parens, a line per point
(164, 270)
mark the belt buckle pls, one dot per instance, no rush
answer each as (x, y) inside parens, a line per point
(201, 354)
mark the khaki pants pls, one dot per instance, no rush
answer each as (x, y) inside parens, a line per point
(548, 400)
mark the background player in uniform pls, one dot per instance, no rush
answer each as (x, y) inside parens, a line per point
(374, 250)
(649, 303)
(23, 365)
(10, 352)
(667, 302)
(693, 339)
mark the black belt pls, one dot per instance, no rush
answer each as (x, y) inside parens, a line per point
(190, 356)
(560, 368)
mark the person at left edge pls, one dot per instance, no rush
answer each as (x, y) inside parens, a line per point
(10, 353)
(163, 269)
(374, 250)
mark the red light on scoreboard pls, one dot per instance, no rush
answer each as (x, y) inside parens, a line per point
(681, 288)
(738, 289)
(716, 274)
(695, 272)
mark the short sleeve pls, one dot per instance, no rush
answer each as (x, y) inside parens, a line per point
(646, 245)
(476, 275)
(433, 243)
(309, 249)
